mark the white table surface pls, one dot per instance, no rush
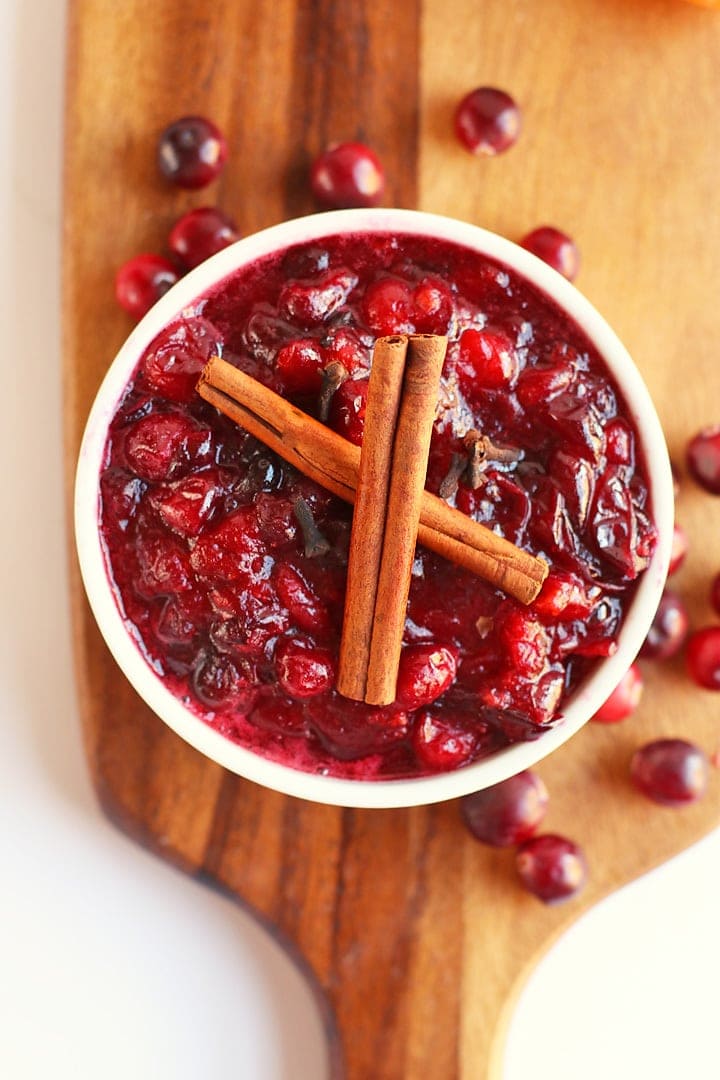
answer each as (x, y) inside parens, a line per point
(112, 964)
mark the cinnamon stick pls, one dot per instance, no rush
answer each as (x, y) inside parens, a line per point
(420, 387)
(333, 462)
(370, 514)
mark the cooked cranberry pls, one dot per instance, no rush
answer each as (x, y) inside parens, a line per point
(347, 175)
(668, 630)
(191, 152)
(232, 551)
(201, 233)
(441, 744)
(703, 657)
(303, 671)
(279, 716)
(488, 360)
(347, 409)
(679, 549)
(555, 248)
(703, 459)
(312, 305)
(346, 347)
(551, 867)
(187, 504)
(563, 596)
(299, 364)
(301, 600)
(140, 282)
(173, 363)
(165, 568)
(219, 681)
(163, 445)
(715, 593)
(388, 307)
(624, 699)
(507, 813)
(671, 772)
(487, 121)
(526, 642)
(351, 730)
(432, 306)
(121, 495)
(426, 671)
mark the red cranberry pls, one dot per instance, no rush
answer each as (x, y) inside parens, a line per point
(191, 152)
(432, 306)
(230, 552)
(703, 459)
(508, 813)
(300, 599)
(162, 445)
(487, 121)
(555, 248)
(201, 233)
(624, 699)
(489, 359)
(219, 681)
(551, 867)
(299, 364)
(441, 744)
(671, 772)
(426, 671)
(345, 346)
(715, 593)
(178, 354)
(312, 305)
(303, 671)
(679, 549)
(140, 282)
(388, 307)
(563, 597)
(668, 630)
(703, 657)
(347, 175)
(165, 568)
(526, 642)
(186, 505)
(347, 409)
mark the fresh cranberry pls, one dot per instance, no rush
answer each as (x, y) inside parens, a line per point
(668, 630)
(555, 248)
(487, 121)
(191, 152)
(441, 744)
(703, 459)
(703, 657)
(299, 365)
(489, 359)
(303, 671)
(624, 699)
(388, 307)
(312, 305)
(551, 867)
(164, 445)
(201, 233)
(715, 593)
(671, 772)
(347, 409)
(140, 282)
(173, 363)
(426, 671)
(507, 813)
(679, 548)
(347, 175)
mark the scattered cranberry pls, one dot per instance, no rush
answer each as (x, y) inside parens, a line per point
(347, 175)
(703, 657)
(487, 121)
(668, 630)
(703, 459)
(624, 699)
(671, 772)
(679, 549)
(426, 671)
(508, 813)
(555, 248)
(140, 282)
(715, 593)
(303, 671)
(201, 233)
(191, 152)
(551, 867)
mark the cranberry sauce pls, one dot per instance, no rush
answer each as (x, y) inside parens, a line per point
(240, 612)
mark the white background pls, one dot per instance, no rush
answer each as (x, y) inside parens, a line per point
(111, 964)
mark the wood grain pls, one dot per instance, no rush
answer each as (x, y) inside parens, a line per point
(417, 939)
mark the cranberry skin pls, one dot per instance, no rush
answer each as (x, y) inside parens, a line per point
(715, 593)
(191, 152)
(703, 657)
(508, 813)
(668, 630)
(487, 121)
(679, 549)
(347, 409)
(388, 307)
(163, 445)
(201, 233)
(347, 175)
(440, 744)
(426, 671)
(551, 867)
(219, 682)
(624, 699)
(703, 459)
(489, 359)
(671, 772)
(555, 248)
(140, 282)
(303, 671)
(299, 364)
(178, 354)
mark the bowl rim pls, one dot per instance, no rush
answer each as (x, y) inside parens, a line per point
(411, 791)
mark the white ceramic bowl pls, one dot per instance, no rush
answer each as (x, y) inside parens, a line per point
(363, 793)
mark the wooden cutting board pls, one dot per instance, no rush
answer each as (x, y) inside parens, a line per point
(416, 938)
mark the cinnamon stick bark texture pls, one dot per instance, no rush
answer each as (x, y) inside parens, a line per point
(370, 514)
(333, 462)
(420, 391)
